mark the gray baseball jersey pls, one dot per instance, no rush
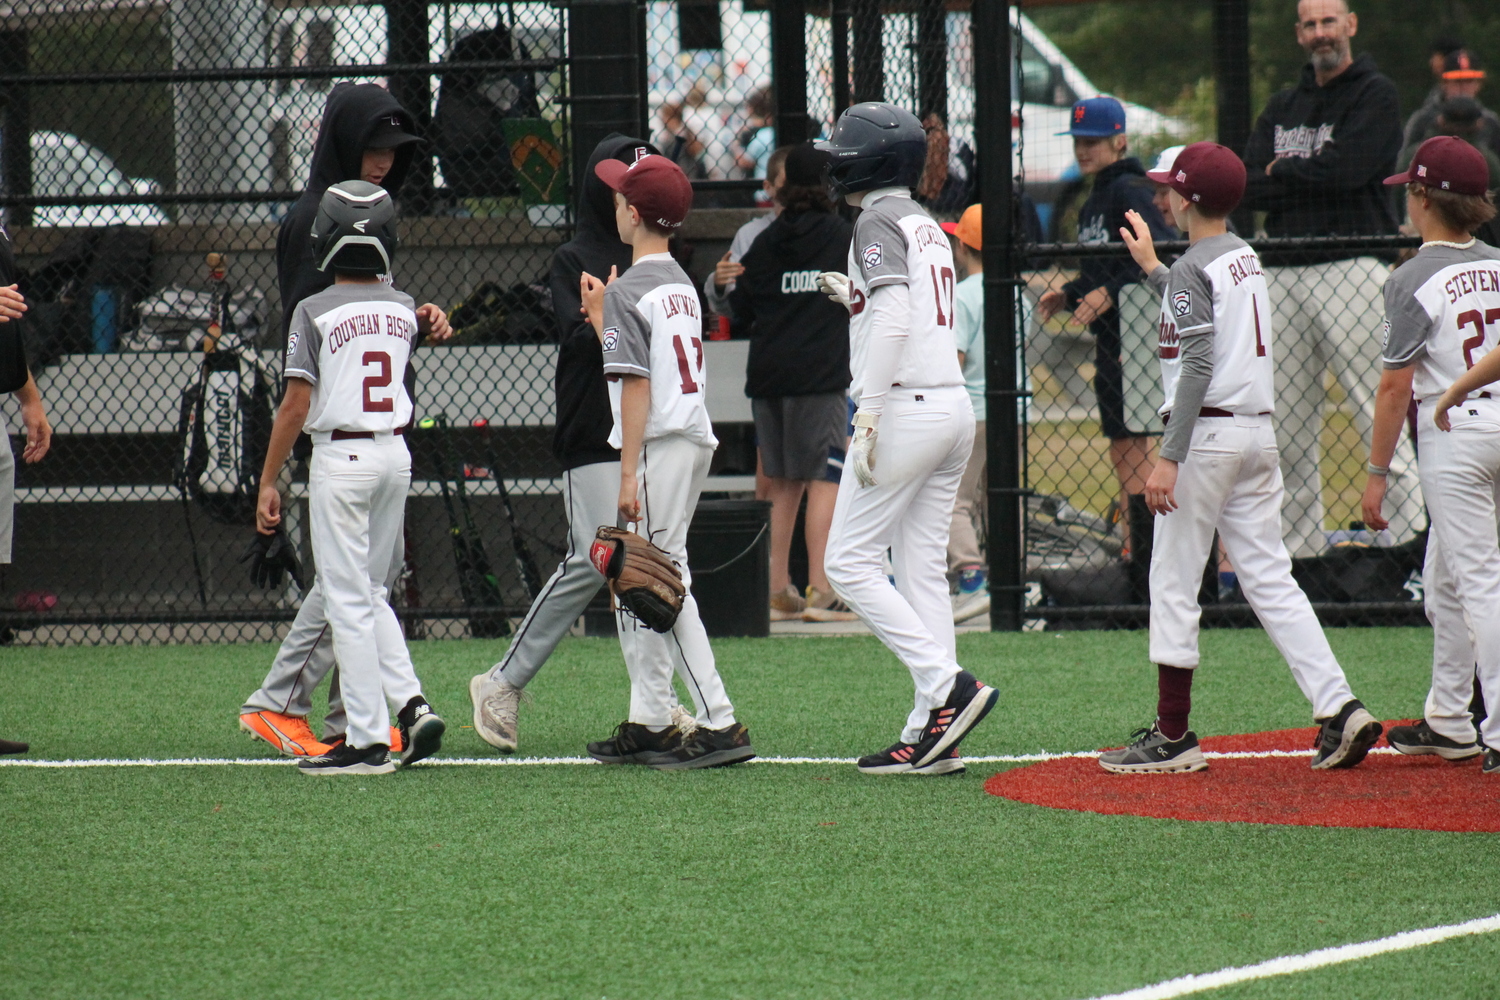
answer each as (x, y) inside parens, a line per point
(1442, 314)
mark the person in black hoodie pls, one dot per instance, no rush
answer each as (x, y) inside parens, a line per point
(1317, 160)
(1120, 185)
(365, 135)
(591, 468)
(797, 376)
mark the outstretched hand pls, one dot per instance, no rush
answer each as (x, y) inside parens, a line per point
(1138, 241)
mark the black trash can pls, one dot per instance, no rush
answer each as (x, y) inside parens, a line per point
(729, 552)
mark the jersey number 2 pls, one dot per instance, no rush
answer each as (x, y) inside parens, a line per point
(373, 405)
(685, 367)
(1479, 321)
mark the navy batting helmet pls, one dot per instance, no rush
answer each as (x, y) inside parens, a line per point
(874, 146)
(355, 229)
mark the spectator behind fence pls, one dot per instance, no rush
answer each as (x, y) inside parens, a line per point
(720, 282)
(1461, 77)
(678, 142)
(705, 122)
(797, 377)
(471, 107)
(1164, 161)
(1120, 185)
(757, 139)
(1317, 160)
(1461, 117)
(15, 377)
(965, 558)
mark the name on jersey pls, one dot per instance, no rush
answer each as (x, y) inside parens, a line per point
(928, 235)
(676, 303)
(370, 325)
(1243, 266)
(1468, 282)
(1169, 341)
(797, 282)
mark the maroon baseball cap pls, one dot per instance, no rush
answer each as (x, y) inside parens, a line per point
(1447, 163)
(655, 185)
(1207, 174)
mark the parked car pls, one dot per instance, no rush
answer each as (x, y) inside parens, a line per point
(64, 165)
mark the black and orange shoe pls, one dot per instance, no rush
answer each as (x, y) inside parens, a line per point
(898, 760)
(968, 703)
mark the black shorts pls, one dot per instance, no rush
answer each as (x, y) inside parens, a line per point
(797, 435)
(1109, 385)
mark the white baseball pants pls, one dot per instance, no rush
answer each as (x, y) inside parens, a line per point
(1328, 318)
(670, 479)
(1231, 482)
(1460, 471)
(924, 442)
(357, 499)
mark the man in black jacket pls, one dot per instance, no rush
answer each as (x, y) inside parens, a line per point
(1317, 160)
(1120, 185)
(591, 468)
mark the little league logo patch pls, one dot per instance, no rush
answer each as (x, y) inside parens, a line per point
(872, 255)
(291, 345)
(1182, 303)
(611, 337)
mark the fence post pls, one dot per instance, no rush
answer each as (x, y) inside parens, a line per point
(789, 70)
(606, 75)
(15, 168)
(992, 129)
(869, 52)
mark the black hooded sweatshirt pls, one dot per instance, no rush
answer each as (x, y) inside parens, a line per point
(799, 340)
(1335, 145)
(584, 420)
(351, 114)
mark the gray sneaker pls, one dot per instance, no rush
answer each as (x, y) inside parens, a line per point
(1150, 752)
(1421, 739)
(495, 707)
(1344, 739)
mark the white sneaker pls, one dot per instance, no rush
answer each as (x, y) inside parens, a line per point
(495, 710)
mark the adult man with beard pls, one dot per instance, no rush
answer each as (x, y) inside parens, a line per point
(1317, 160)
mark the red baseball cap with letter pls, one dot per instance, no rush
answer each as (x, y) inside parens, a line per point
(655, 185)
(1447, 163)
(1207, 174)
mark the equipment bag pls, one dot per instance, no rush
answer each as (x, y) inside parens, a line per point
(225, 428)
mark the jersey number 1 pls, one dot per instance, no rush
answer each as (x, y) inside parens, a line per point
(1479, 321)
(373, 405)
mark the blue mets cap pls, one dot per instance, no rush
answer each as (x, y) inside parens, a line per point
(1097, 118)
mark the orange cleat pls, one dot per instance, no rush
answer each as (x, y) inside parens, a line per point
(395, 740)
(289, 734)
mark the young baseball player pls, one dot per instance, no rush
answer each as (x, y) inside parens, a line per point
(1442, 324)
(965, 561)
(346, 349)
(649, 324)
(913, 432)
(1218, 470)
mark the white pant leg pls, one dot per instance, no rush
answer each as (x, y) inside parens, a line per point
(398, 676)
(358, 490)
(672, 473)
(590, 493)
(919, 460)
(1459, 472)
(303, 660)
(1251, 529)
(1295, 347)
(1447, 706)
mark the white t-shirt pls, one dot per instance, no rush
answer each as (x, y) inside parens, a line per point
(896, 242)
(1442, 311)
(352, 342)
(653, 327)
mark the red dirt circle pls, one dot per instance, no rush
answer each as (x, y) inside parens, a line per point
(1386, 790)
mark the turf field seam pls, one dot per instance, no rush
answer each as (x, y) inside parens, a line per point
(1290, 964)
(1023, 758)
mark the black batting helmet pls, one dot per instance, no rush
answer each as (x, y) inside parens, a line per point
(874, 146)
(355, 229)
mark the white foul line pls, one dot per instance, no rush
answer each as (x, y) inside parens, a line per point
(1021, 758)
(1289, 964)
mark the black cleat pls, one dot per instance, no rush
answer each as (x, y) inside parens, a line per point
(633, 743)
(1344, 739)
(11, 746)
(1491, 762)
(706, 748)
(344, 759)
(968, 703)
(421, 731)
(1420, 739)
(897, 760)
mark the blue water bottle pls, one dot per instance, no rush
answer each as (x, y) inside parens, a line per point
(106, 318)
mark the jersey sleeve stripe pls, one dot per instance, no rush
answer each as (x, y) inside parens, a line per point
(1190, 329)
(620, 368)
(886, 279)
(302, 373)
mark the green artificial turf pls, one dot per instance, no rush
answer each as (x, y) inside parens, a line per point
(766, 880)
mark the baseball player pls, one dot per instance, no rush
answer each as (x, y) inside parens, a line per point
(913, 431)
(650, 327)
(1442, 324)
(365, 135)
(346, 349)
(15, 377)
(1218, 470)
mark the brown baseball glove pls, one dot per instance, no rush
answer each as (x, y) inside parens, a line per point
(643, 578)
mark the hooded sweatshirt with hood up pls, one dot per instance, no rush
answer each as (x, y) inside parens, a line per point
(1334, 146)
(352, 113)
(584, 419)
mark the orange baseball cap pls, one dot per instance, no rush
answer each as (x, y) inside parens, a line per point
(968, 228)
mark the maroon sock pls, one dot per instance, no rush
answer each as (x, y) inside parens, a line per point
(1174, 700)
